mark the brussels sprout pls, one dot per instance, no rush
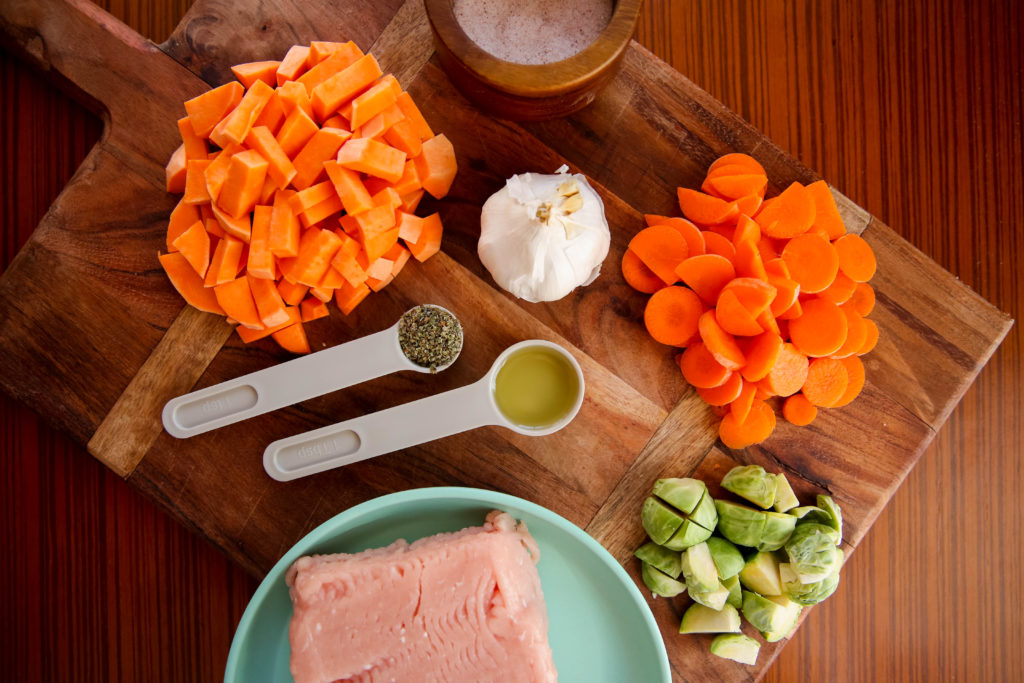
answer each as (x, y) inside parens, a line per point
(735, 592)
(659, 582)
(659, 520)
(683, 494)
(727, 558)
(835, 515)
(753, 483)
(699, 569)
(715, 599)
(740, 524)
(777, 530)
(811, 513)
(737, 647)
(812, 551)
(660, 557)
(785, 499)
(792, 611)
(705, 513)
(761, 574)
(690, 533)
(767, 616)
(701, 619)
(807, 593)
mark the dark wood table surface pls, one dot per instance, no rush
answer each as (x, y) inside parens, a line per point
(913, 109)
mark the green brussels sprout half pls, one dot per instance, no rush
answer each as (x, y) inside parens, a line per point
(761, 574)
(753, 483)
(659, 582)
(807, 593)
(785, 499)
(792, 615)
(675, 515)
(740, 524)
(659, 520)
(777, 530)
(702, 619)
(699, 569)
(705, 513)
(727, 557)
(811, 513)
(715, 599)
(661, 558)
(737, 647)
(812, 551)
(690, 533)
(764, 615)
(835, 515)
(735, 592)
(681, 493)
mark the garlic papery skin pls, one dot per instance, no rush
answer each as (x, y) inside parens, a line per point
(542, 236)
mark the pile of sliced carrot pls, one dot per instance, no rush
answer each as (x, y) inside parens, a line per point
(769, 297)
(300, 183)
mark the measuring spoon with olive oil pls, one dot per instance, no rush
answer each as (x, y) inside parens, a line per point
(534, 387)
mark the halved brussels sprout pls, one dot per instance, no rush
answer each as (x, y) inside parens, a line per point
(834, 513)
(812, 551)
(785, 499)
(792, 611)
(690, 533)
(659, 520)
(740, 524)
(727, 557)
(753, 483)
(701, 619)
(735, 592)
(681, 493)
(761, 574)
(807, 593)
(659, 582)
(766, 616)
(699, 569)
(660, 557)
(675, 515)
(777, 530)
(715, 599)
(737, 647)
(811, 513)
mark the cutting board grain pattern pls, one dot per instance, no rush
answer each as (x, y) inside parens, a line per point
(99, 339)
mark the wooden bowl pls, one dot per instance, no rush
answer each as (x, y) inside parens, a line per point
(530, 92)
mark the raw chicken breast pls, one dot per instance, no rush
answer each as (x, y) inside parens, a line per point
(465, 606)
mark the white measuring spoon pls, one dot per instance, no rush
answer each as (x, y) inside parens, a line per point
(300, 379)
(409, 424)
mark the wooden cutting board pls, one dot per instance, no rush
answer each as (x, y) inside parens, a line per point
(94, 338)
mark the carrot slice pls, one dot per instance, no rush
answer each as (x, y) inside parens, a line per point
(826, 382)
(786, 295)
(856, 376)
(840, 291)
(637, 274)
(269, 304)
(367, 155)
(758, 426)
(248, 336)
(791, 313)
(820, 330)
(283, 239)
(296, 131)
(813, 262)
(194, 145)
(224, 264)
(175, 173)
(372, 102)
(294, 64)
(856, 333)
(789, 372)
(700, 368)
(734, 318)
(747, 230)
(189, 285)
(242, 187)
(704, 209)
(280, 167)
(207, 110)
(788, 215)
(312, 308)
(260, 263)
(196, 191)
(194, 245)
(799, 411)
(435, 165)
(379, 124)
(410, 226)
(309, 162)
(402, 135)
(671, 315)
(429, 242)
(217, 170)
(753, 293)
(350, 188)
(292, 96)
(319, 50)
(761, 353)
(327, 97)
(706, 274)
(725, 394)
(749, 262)
(247, 74)
(856, 257)
(292, 338)
(863, 299)
(714, 243)
(826, 213)
(871, 337)
(236, 125)
(291, 292)
(240, 228)
(414, 117)
(348, 296)
(661, 248)
(742, 161)
(235, 297)
(341, 57)
(182, 217)
(316, 249)
(740, 406)
(720, 343)
(690, 232)
(736, 186)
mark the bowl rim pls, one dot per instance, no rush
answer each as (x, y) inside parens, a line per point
(536, 80)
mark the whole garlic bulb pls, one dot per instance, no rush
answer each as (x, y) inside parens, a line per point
(542, 236)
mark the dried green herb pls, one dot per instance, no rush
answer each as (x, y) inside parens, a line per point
(430, 336)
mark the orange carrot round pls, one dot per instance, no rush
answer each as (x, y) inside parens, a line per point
(725, 394)
(788, 215)
(748, 261)
(703, 209)
(856, 258)
(661, 248)
(715, 243)
(746, 231)
(856, 333)
(799, 411)
(758, 426)
(786, 294)
(820, 330)
(761, 352)
(863, 299)
(740, 406)
(706, 274)
(826, 382)
(638, 275)
(672, 314)
(720, 343)
(736, 186)
(739, 159)
(734, 318)
(700, 368)
(812, 262)
(856, 376)
(841, 289)
(690, 233)
(789, 372)
(753, 293)
(870, 337)
(747, 205)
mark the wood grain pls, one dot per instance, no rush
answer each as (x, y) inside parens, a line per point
(796, 100)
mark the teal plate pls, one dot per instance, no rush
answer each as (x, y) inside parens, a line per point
(600, 628)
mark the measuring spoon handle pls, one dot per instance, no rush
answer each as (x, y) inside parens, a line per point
(284, 384)
(382, 432)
